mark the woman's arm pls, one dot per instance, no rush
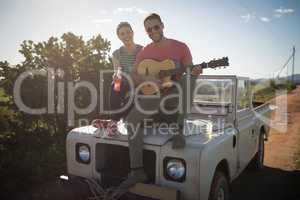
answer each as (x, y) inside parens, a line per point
(116, 66)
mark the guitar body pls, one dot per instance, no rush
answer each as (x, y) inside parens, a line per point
(164, 70)
(149, 67)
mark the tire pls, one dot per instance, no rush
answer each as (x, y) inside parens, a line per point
(220, 187)
(257, 162)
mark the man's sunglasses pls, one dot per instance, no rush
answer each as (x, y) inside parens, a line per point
(156, 28)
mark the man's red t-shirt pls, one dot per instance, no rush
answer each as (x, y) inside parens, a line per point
(171, 49)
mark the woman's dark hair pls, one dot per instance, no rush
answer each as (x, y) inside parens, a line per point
(121, 25)
(153, 16)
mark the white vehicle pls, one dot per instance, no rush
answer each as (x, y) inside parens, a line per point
(224, 134)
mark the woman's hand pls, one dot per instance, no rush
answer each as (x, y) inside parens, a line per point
(114, 76)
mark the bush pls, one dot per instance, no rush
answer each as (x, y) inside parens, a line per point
(290, 86)
(273, 84)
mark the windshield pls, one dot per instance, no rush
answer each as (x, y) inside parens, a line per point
(215, 91)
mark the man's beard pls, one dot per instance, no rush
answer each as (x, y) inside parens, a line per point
(159, 39)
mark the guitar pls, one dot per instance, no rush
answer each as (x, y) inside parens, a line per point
(166, 69)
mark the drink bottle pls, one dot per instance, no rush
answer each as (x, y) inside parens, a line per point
(118, 81)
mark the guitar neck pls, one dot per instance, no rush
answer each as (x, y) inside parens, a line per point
(170, 72)
(211, 64)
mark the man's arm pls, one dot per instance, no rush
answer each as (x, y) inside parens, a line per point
(187, 61)
(137, 79)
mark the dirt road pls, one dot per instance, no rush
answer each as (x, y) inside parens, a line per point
(279, 180)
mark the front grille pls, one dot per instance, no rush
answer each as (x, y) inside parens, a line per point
(112, 162)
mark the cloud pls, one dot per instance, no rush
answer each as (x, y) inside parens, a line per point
(127, 10)
(103, 12)
(246, 18)
(133, 9)
(101, 21)
(277, 13)
(251, 16)
(264, 19)
(141, 11)
(282, 11)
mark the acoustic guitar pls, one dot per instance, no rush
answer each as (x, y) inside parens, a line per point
(166, 69)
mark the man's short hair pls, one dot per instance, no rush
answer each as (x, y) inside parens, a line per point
(153, 16)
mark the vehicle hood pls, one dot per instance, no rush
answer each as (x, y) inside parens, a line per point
(198, 131)
(152, 136)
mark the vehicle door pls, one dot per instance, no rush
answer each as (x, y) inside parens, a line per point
(245, 123)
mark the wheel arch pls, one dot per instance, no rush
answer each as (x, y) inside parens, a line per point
(223, 166)
(263, 130)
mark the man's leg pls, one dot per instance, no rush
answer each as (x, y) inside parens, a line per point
(135, 138)
(187, 84)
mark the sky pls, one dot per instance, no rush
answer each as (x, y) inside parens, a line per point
(257, 36)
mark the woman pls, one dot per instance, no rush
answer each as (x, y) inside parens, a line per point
(123, 60)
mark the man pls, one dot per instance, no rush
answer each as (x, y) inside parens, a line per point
(160, 49)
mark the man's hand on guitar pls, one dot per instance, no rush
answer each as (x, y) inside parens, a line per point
(154, 79)
(197, 71)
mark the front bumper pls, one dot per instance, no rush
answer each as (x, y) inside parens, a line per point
(77, 188)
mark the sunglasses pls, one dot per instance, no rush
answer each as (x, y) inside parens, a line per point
(156, 28)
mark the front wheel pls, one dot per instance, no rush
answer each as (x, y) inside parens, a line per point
(220, 187)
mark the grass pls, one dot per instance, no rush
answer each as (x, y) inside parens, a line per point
(266, 91)
(3, 97)
(263, 94)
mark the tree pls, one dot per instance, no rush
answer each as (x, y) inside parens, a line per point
(34, 144)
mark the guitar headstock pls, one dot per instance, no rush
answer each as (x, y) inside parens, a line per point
(222, 62)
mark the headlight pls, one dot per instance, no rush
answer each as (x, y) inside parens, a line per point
(175, 169)
(83, 153)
